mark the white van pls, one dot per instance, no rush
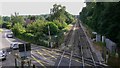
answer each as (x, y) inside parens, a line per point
(14, 45)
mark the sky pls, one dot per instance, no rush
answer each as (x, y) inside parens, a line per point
(37, 8)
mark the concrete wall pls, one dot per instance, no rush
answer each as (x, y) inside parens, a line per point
(103, 39)
(110, 45)
(98, 38)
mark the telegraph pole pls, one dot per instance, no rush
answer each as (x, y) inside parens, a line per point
(49, 41)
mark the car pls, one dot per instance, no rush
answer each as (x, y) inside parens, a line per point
(14, 46)
(3, 55)
(10, 35)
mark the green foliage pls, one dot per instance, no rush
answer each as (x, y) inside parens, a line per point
(6, 25)
(31, 17)
(60, 25)
(59, 13)
(18, 29)
(16, 18)
(6, 18)
(40, 17)
(1, 21)
(5, 22)
(35, 26)
(103, 18)
(69, 18)
(36, 29)
(52, 27)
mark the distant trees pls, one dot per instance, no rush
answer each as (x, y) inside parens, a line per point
(5, 22)
(16, 18)
(6, 18)
(36, 28)
(103, 18)
(59, 13)
(0, 21)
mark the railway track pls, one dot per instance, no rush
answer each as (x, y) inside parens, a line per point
(85, 49)
(69, 41)
(76, 37)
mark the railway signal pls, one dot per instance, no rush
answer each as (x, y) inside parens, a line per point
(22, 55)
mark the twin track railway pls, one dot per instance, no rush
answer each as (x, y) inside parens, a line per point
(76, 39)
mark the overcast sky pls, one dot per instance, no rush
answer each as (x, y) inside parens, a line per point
(26, 8)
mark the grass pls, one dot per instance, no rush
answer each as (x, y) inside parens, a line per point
(114, 62)
(99, 44)
(1, 30)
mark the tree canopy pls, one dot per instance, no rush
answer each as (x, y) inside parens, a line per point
(17, 18)
(58, 12)
(103, 18)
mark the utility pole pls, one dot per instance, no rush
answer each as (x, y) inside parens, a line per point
(49, 41)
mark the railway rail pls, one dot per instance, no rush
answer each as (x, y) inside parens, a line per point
(69, 41)
(76, 37)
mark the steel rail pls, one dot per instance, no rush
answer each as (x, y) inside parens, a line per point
(67, 40)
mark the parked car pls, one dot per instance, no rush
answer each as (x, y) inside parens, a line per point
(3, 55)
(10, 35)
(14, 45)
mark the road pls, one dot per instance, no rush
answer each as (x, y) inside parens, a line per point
(39, 55)
(5, 44)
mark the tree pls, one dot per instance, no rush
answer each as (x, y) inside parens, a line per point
(58, 24)
(52, 27)
(16, 18)
(58, 12)
(37, 30)
(1, 21)
(36, 26)
(6, 18)
(18, 29)
(103, 18)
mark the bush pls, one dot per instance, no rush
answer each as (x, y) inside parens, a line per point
(18, 29)
(52, 27)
